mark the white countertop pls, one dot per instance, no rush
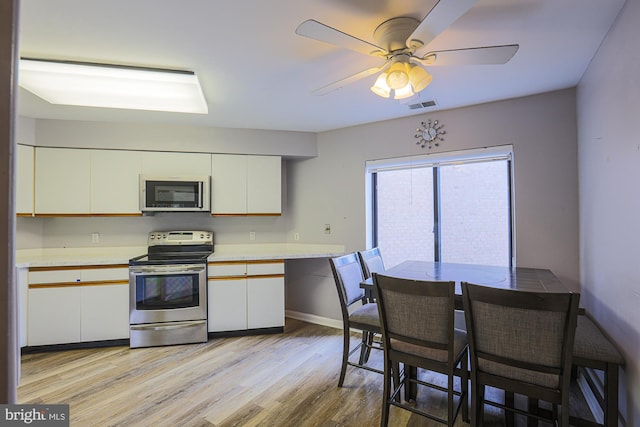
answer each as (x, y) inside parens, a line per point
(47, 257)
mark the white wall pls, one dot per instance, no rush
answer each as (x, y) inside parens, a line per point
(114, 231)
(608, 100)
(133, 231)
(159, 137)
(330, 188)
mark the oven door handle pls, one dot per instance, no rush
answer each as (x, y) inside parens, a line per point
(166, 326)
(167, 269)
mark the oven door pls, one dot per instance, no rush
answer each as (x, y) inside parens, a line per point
(167, 293)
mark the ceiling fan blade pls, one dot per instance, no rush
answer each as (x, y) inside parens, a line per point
(348, 80)
(319, 31)
(443, 14)
(488, 55)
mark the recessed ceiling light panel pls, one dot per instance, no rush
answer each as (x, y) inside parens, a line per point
(109, 86)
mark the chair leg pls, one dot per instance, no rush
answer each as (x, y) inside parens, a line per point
(396, 379)
(509, 402)
(345, 355)
(367, 353)
(386, 394)
(410, 388)
(464, 387)
(611, 395)
(450, 400)
(533, 405)
(363, 347)
(478, 407)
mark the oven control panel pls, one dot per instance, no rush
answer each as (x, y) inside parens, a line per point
(180, 238)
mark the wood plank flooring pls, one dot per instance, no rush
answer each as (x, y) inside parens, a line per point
(287, 379)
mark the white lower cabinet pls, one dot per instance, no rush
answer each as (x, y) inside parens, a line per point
(265, 302)
(104, 313)
(227, 304)
(245, 295)
(53, 315)
(70, 305)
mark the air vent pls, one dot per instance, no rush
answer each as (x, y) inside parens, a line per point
(419, 105)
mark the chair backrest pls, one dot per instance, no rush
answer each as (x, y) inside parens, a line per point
(347, 274)
(416, 312)
(371, 261)
(522, 336)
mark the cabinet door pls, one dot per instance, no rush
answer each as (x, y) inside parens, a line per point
(22, 275)
(53, 315)
(104, 312)
(227, 304)
(167, 164)
(62, 180)
(228, 184)
(265, 302)
(115, 181)
(24, 184)
(264, 185)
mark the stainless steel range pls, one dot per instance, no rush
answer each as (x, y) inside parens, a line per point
(168, 289)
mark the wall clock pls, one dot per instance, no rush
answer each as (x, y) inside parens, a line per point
(430, 134)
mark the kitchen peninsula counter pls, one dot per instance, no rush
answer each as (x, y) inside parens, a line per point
(48, 257)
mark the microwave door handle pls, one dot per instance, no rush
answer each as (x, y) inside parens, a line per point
(200, 193)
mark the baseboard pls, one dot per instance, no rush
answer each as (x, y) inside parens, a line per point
(312, 318)
(589, 394)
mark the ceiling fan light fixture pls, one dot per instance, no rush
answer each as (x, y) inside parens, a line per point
(397, 76)
(404, 92)
(419, 77)
(380, 87)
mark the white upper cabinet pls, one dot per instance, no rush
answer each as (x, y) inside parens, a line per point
(228, 184)
(175, 164)
(62, 180)
(264, 185)
(114, 181)
(71, 181)
(24, 180)
(246, 185)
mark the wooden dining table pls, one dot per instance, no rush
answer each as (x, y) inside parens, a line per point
(518, 278)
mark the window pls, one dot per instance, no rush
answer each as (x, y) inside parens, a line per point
(450, 207)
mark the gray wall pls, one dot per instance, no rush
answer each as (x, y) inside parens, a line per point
(331, 187)
(608, 99)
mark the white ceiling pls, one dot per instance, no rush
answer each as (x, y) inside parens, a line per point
(257, 73)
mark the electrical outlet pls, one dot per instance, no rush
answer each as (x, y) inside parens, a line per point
(95, 237)
(327, 229)
(296, 236)
(252, 235)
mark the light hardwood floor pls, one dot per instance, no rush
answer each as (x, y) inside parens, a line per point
(287, 379)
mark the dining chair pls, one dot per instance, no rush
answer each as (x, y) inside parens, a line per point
(347, 273)
(417, 320)
(371, 261)
(520, 342)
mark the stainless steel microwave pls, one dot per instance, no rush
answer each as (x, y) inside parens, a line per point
(175, 193)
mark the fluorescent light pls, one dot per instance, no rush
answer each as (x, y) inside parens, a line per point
(111, 86)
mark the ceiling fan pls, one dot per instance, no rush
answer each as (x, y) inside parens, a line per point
(399, 41)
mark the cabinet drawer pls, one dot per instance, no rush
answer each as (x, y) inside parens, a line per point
(53, 276)
(260, 268)
(57, 275)
(227, 269)
(105, 274)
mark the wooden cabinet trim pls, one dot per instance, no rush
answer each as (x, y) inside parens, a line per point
(77, 284)
(266, 261)
(70, 215)
(212, 278)
(79, 267)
